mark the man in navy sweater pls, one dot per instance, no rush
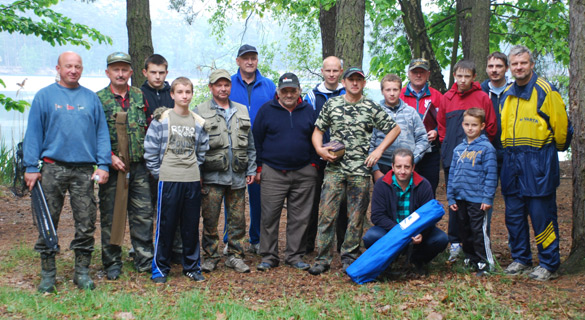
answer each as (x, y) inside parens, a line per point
(287, 169)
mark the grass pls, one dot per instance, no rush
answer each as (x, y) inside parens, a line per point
(6, 164)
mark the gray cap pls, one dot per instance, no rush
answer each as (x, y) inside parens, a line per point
(219, 74)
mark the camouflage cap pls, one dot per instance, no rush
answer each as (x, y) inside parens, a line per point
(219, 74)
(419, 63)
(119, 57)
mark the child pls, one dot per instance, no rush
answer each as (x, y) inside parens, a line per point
(174, 147)
(471, 189)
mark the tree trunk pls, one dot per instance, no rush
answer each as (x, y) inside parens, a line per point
(475, 33)
(327, 20)
(349, 32)
(139, 37)
(418, 40)
(456, 33)
(576, 260)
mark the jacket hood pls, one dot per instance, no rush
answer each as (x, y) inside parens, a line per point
(475, 86)
(321, 88)
(416, 178)
(401, 105)
(300, 103)
(482, 138)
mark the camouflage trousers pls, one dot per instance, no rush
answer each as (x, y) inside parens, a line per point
(211, 198)
(140, 218)
(336, 186)
(57, 179)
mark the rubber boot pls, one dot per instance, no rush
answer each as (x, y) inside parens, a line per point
(81, 277)
(48, 273)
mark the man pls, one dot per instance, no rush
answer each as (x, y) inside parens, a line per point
(68, 133)
(427, 102)
(350, 119)
(398, 194)
(465, 94)
(251, 89)
(119, 97)
(230, 165)
(413, 135)
(535, 127)
(331, 72)
(287, 173)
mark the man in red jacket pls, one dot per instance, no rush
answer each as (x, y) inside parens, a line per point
(465, 94)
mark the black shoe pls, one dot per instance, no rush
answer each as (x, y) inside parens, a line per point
(301, 265)
(159, 280)
(197, 277)
(264, 266)
(113, 274)
(318, 268)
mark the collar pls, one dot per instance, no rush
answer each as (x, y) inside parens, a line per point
(117, 95)
(396, 184)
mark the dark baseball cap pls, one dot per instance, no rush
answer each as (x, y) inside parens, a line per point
(353, 70)
(419, 63)
(245, 49)
(119, 57)
(288, 80)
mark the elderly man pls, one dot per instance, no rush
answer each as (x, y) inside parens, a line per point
(399, 193)
(287, 169)
(535, 127)
(251, 89)
(350, 119)
(230, 165)
(68, 133)
(119, 97)
(331, 72)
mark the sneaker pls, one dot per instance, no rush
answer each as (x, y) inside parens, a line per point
(195, 276)
(454, 252)
(482, 269)
(254, 248)
(516, 268)
(237, 264)
(113, 274)
(318, 268)
(264, 266)
(541, 274)
(225, 250)
(209, 265)
(159, 280)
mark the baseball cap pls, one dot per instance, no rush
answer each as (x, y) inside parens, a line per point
(419, 63)
(119, 57)
(288, 80)
(352, 70)
(219, 74)
(245, 49)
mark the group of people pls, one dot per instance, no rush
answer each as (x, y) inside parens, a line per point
(153, 154)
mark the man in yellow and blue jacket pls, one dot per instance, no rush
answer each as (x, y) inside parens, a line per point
(535, 126)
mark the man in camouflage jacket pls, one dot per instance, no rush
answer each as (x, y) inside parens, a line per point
(120, 97)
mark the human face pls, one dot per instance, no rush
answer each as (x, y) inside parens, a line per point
(403, 168)
(496, 70)
(331, 71)
(464, 79)
(248, 62)
(354, 84)
(391, 92)
(472, 127)
(119, 73)
(221, 89)
(69, 69)
(182, 95)
(288, 97)
(155, 75)
(521, 68)
(418, 77)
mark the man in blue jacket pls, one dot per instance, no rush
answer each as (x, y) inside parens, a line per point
(396, 195)
(251, 89)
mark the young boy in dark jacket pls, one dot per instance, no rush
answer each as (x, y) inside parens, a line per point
(471, 190)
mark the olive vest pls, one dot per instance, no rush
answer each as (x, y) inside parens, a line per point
(136, 125)
(221, 139)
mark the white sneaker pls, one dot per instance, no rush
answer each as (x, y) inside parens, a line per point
(541, 274)
(225, 250)
(237, 264)
(516, 268)
(455, 251)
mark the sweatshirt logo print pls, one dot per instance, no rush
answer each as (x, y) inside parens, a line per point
(470, 155)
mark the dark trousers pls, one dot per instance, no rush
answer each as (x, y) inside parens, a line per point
(453, 228)
(433, 243)
(473, 231)
(543, 215)
(178, 203)
(177, 245)
(429, 167)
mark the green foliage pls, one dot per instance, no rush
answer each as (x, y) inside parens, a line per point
(6, 164)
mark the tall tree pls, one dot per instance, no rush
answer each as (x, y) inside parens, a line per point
(474, 21)
(139, 36)
(576, 260)
(327, 23)
(349, 32)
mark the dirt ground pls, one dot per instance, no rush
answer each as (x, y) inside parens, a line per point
(17, 229)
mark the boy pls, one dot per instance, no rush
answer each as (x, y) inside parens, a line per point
(464, 94)
(155, 89)
(174, 147)
(473, 180)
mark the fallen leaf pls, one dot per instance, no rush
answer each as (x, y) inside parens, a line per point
(124, 315)
(434, 316)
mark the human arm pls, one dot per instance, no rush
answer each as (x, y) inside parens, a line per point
(251, 152)
(153, 144)
(202, 144)
(102, 176)
(383, 206)
(554, 107)
(490, 172)
(421, 141)
(441, 120)
(373, 157)
(323, 152)
(491, 122)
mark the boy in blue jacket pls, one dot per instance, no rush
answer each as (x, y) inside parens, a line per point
(472, 186)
